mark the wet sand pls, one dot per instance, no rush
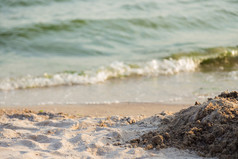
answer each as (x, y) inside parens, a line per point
(210, 129)
(99, 110)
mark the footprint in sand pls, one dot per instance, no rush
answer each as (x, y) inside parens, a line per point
(5, 144)
(42, 138)
(28, 143)
(65, 123)
(55, 146)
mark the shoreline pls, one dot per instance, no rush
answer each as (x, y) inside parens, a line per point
(102, 110)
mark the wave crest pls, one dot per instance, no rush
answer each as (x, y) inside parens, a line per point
(212, 59)
(114, 70)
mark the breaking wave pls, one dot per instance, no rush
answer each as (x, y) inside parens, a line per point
(114, 70)
(212, 59)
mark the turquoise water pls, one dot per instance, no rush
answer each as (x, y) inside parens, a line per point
(72, 52)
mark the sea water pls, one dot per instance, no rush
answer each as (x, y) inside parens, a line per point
(101, 51)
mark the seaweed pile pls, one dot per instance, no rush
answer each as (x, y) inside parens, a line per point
(210, 129)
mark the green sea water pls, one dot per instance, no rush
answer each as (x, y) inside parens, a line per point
(74, 52)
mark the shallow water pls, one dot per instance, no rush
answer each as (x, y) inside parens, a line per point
(68, 51)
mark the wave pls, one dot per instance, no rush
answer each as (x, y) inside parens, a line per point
(26, 3)
(221, 62)
(127, 25)
(211, 59)
(114, 70)
(41, 28)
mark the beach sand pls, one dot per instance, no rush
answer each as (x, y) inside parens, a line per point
(102, 110)
(82, 131)
(86, 131)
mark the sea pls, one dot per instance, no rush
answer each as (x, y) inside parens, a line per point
(59, 52)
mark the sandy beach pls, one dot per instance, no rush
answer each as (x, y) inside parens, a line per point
(101, 79)
(84, 131)
(126, 130)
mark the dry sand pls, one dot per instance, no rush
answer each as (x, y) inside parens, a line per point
(90, 131)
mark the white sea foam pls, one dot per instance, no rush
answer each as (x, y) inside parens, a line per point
(114, 70)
